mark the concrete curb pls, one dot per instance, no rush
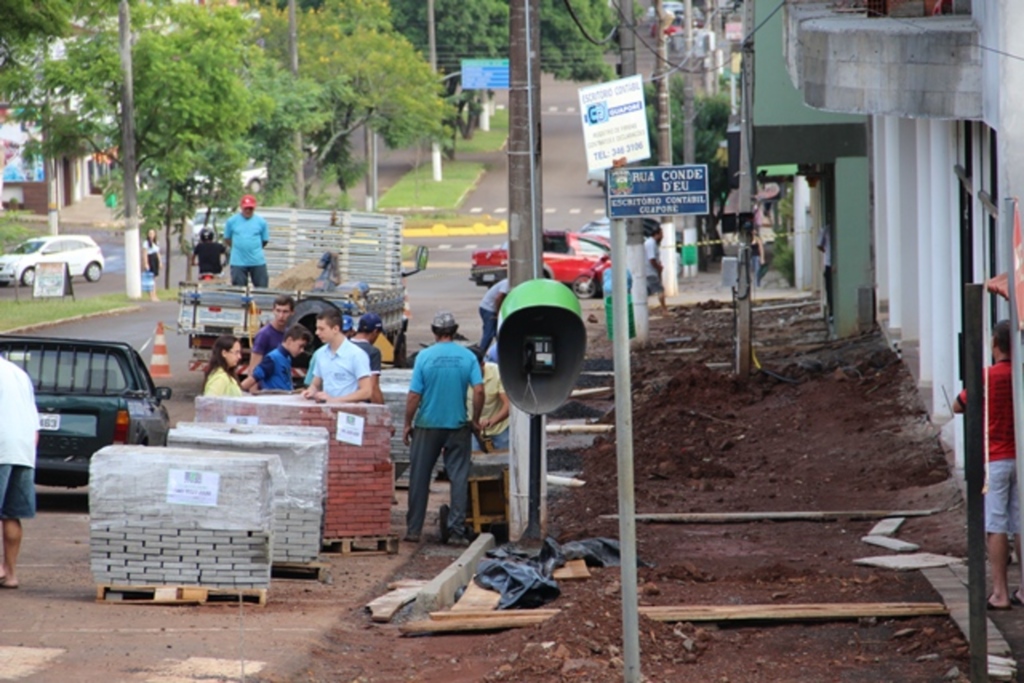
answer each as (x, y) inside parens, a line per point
(440, 592)
(85, 316)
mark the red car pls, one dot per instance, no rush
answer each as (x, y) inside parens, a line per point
(569, 257)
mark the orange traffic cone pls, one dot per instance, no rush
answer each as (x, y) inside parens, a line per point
(159, 364)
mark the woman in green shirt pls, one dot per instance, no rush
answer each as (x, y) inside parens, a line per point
(221, 378)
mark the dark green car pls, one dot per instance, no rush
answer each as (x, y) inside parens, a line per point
(89, 394)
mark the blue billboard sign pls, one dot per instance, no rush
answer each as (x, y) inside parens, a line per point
(657, 191)
(485, 74)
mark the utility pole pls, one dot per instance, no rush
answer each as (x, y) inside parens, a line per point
(300, 157)
(526, 464)
(746, 195)
(435, 148)
(667, 249)
(635, 261)
(689, 151)
(132, 275)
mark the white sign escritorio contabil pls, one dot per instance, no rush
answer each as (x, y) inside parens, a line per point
(193, 487)
(614, 122)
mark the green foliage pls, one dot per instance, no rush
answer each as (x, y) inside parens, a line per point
(12, 230)
(783, 257)
(29, 311)
(565, 52)
(418, 188)
(710, 124)
(25, 22)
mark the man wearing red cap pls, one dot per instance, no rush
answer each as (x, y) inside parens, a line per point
(246, 234)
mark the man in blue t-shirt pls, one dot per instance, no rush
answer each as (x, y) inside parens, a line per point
(275, 370)
(437, 400)
(246, 234)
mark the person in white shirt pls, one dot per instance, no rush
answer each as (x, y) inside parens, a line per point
(653, 267)
(490, 306)
(18, 441)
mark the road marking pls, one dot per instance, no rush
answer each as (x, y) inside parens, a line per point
(571, 110)
(550, 210)
(443, 247)
(574, 211)
(598, 212)
(469, 247)
(203, 669)
(501, 209)
(552, 108)
(22, 662)
(476, 209)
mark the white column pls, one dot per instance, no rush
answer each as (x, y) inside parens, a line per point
(943, 281)
(669, 257)
(485, 112)
(880, 227)
(907, 220)
(925, 237)
(892, 219)
(803, 242)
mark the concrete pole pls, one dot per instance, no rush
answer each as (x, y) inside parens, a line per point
(435, 148)
(52, 197)
(803, 243)
(370, 140)
(894, 241)
(689, 148)
(943, 183)
(910, 329)
(132, 256)
(485, 111)
(666, 252)
(881, 200)
(624, 453)
(926, 234)
(300, 157)
(746, 196)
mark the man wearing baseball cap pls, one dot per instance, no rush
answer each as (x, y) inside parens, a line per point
(442, 375)
(369, 328)
(246, 234)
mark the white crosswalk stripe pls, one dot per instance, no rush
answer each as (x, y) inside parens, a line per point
(476, 209)
(574, 211)
(442, 247)
(501, 209)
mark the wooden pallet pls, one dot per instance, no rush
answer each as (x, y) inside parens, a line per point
(362, 545)
(178, 595)
(320, 571)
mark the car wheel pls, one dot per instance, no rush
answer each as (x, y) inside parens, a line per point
(584, 287)
(93, 272)
(4, 283)
(254, 186)
(28, 277)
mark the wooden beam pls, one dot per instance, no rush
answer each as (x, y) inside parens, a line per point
(744, 517)
(578, 429)
(477, 599)
(505, 621)
(574, 570)
(804, 612)
(593, 391)
(383, 608)
(484, 614)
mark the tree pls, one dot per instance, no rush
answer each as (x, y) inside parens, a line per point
(191, 98)
(368, 75)
(27, 21)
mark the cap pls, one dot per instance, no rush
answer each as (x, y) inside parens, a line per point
(370, 322)
(347, 325)
(248, 202)
(444, 320)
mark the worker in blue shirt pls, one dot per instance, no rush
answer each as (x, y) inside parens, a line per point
(275, 370)
(246, 233)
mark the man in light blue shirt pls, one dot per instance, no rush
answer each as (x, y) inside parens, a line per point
(246, 234)
(341, 370)
(437, 401)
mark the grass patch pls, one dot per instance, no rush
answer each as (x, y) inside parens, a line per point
(486, 141)
(29, 311)
(417, 187)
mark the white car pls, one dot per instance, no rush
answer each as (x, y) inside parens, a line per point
(80, 252)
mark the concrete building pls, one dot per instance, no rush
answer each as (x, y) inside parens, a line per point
(943, 108)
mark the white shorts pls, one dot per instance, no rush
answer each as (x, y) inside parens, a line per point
(1002, 504)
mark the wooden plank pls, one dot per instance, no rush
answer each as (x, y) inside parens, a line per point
(887, 527)
(492, 614)
(894, 544)
(578, 429)
(799, 612)
(905, 562)
(407, 583)
(477, 599)
(178, 595)
(744, 517)
(592, 391)
(505, 620)
(574, 570)
(383, 608)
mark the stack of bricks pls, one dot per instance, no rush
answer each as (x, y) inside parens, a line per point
(394, 386)
(298, 517)
(359, 477)
(147, 530)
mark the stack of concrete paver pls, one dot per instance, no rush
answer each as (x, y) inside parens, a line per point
(360, 476)
(298, 516)
(394, 385)
(168, 516)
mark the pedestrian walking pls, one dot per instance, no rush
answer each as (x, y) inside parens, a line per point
(436, 419)
(150, 265)
(18, 440)
(246, 233)
(653, 267)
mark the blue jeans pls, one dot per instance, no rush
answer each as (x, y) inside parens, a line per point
(17, 492)
(490, 320)
(499, 441)
(240, 276)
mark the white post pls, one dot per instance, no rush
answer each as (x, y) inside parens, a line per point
(911, 328)
(485, 112)
(690, 238)
(894, 242)
(926, 234)
(667, 254)
(803, 240)
(52, 197)
(881, 193)
(943, 183)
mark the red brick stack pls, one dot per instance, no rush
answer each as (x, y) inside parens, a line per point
(359, 478)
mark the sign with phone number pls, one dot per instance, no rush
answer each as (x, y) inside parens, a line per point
(614, 122)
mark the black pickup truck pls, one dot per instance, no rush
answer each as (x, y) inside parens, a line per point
(89, 394)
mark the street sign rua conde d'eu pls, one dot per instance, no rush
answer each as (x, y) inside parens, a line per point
(657, 191)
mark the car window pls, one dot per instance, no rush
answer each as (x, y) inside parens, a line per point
(30, 247)
(556, 244)
(74, 245)
(70, 369)
(588, 248)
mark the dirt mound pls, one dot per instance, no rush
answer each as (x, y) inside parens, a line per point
(301, 276)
